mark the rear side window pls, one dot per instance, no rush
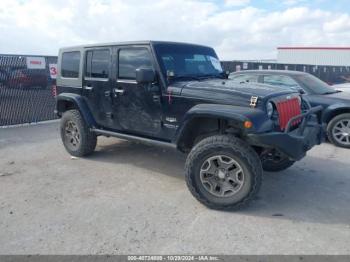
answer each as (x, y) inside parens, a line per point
(70, 64)
(281, 80)
(131, 59)
(97, 63)
(244, 78)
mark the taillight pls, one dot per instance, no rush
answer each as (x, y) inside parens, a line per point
(288, 109)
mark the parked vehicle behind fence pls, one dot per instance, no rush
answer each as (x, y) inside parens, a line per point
(336, 104)
(27, 79)
(177, 95)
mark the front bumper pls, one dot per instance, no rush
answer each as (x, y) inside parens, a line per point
(294, 143)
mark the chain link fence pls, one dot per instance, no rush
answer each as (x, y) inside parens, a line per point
(26, 84)
(26, 89)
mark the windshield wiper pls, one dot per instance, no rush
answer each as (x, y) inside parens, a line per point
(195, 77)
(185, 77)
(211, 76)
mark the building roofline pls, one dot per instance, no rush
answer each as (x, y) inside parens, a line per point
(312, 48)
(4, 55)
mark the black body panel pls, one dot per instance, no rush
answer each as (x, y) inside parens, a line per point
(165, 109)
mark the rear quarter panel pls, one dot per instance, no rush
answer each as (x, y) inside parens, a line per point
(65, 84)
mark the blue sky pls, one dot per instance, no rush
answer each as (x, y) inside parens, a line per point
(278, 5)
(335, 6)
(237, 29)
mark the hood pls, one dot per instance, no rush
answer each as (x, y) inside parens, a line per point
(222, 89)
(346, 90)
(339, 96)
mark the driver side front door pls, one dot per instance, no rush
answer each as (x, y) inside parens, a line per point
(137, 107)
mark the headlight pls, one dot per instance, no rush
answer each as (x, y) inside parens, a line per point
(269, 109)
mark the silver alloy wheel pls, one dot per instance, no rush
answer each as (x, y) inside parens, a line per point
(341, 132)
(72, 134)
(221, 176)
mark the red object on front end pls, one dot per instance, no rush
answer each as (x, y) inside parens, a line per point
(288, 109)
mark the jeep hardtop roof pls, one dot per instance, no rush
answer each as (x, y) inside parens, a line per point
(144, 42)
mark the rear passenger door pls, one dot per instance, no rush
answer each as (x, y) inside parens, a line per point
(97, 84)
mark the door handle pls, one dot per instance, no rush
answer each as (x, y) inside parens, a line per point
(118, 91)
(156, 98)
(88, 87)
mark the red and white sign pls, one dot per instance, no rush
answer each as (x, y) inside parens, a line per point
(36, 62)
(53, 70)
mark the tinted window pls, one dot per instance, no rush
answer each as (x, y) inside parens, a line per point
(244, 78)
(132, 59)
(70, 64)
(314, 84)
(280, 80)
(188, 60)
(97, 63)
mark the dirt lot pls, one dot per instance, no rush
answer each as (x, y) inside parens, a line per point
(131, 198)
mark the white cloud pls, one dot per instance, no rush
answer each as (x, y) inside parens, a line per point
(236, 2)
(338, 25)
(246, 32)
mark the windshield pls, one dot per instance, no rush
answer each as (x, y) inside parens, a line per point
(315, 85)
(190, 61)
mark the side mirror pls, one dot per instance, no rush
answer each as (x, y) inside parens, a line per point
(145, 75)
(301, 91)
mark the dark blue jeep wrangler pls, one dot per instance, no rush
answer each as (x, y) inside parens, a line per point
(176, 94)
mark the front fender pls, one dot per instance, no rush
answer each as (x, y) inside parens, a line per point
(332, 110)
(235, 114)
(79, 103)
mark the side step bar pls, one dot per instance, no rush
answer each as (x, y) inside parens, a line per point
(133, 138)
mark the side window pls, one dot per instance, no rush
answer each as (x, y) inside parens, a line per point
(97, 63)
(131, 59)
(244, 78)
(280, 80)
(70, 64)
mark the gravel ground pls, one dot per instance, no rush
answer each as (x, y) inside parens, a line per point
(131, 198)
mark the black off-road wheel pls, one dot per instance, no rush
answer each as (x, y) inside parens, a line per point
(76, 137)
(274, 161)
(223, 172)
(338, 130)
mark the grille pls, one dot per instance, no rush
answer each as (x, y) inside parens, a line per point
(286, 110)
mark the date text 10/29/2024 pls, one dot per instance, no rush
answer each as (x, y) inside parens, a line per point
(173, 258)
